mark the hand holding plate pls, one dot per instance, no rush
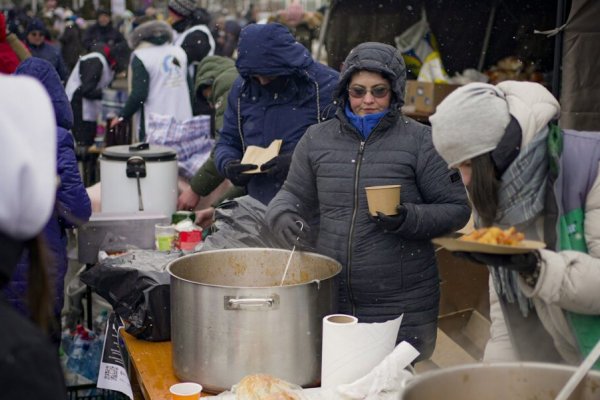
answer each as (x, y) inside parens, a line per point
(524, 263)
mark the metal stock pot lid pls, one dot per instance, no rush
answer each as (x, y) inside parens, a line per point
(150, 152)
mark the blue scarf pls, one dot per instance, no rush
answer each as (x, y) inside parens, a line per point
(364, 124)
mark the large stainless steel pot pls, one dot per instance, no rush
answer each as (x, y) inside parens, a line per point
(501, 381)
(230, 318)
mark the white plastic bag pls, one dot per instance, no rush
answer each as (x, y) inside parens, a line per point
(421, 52)
(190, 139)
(385, 382)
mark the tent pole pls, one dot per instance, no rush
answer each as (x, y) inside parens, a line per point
(323, 31)
(486, 38)
(558, 46)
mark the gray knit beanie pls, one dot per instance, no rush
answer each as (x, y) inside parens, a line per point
(469, 122)
(183, 8)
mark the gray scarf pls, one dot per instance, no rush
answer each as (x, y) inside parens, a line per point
(521, 199)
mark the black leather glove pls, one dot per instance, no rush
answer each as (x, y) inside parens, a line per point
(293, 229)
(525, 263)
(278, 166)
(390, 223)
(234, 171)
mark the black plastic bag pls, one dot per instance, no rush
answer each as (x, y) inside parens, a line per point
(241, 223)
(137, 286)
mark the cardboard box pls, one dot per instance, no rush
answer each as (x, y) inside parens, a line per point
(425, 96)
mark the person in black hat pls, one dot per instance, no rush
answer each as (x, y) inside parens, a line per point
(102, 32)
(36, 42)
(191, 33)
(92, 73)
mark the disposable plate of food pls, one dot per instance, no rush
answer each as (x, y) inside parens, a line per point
(491, 241)
(453, 244)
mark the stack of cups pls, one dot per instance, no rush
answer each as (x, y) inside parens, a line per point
(181, 234)
(188, 235)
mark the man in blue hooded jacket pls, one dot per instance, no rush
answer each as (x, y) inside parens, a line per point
(281, 91)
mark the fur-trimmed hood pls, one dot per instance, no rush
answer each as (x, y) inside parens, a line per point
(150, 31)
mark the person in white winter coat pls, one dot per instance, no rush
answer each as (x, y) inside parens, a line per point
(522, 170)
(29, 363)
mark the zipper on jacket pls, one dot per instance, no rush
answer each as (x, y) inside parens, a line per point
(361, 150)
(352, 222)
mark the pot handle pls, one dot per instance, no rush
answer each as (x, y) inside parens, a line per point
(251, 303)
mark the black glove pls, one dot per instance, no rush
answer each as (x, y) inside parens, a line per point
(278, 166)
(293, 229)
(525, 263)
(234, 171)
(390, 223)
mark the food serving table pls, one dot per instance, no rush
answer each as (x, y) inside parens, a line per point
(151, 368)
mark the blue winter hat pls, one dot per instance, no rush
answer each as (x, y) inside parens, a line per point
(36, 25)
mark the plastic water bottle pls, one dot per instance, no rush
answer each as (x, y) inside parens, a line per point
(66, 342)
(81, 345)
(92, 359)
(100, 322)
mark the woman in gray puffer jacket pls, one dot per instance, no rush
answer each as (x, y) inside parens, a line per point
(389, 265)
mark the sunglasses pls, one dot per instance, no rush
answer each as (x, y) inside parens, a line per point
(358, 92)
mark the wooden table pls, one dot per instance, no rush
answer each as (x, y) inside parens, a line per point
(152, 367)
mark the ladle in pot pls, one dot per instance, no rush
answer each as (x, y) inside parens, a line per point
(292, 253)
(580, 373)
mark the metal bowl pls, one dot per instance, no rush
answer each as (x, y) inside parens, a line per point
(500, 381)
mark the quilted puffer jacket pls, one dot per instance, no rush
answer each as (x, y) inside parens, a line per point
(72, 206)
(257, 116)
(385, 274)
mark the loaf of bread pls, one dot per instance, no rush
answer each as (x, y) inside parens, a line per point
(264, 387)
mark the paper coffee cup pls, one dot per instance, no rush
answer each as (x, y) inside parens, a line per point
(185, 391)
(384, 199)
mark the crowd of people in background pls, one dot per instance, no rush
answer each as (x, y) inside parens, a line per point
(61, 35)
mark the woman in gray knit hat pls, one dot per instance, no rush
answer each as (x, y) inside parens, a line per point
(389, 265)
(521, 170)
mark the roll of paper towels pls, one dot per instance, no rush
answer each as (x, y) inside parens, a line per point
(352, 349)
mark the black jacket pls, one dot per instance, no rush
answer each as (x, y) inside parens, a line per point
(384, 274)
(29, 366)
(97, 34)
(90, 72)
